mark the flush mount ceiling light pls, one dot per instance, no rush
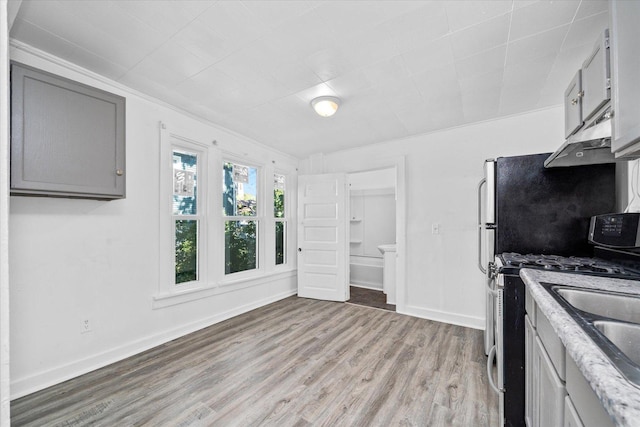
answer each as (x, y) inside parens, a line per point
(325, 106)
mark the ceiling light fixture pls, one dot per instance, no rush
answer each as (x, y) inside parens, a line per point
(325, 106)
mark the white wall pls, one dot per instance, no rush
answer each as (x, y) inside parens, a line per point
(442, 173)
(97, 260)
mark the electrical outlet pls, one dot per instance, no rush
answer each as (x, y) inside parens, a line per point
(85, 326)
(435, 228)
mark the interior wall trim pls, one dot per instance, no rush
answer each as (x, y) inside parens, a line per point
(444, 317)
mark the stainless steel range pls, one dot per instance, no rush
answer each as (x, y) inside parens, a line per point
(527, 209)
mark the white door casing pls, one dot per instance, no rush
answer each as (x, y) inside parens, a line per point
(322, 237)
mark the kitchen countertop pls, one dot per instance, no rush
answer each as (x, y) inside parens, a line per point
(620, 398)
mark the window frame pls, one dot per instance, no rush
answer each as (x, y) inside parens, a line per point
(212, 278)
(227, 279)
(169, 143)
(284, 219)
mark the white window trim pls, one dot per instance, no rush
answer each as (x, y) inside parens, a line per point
(212, 279)
(286, 219)
(167, 285)
(261, 198)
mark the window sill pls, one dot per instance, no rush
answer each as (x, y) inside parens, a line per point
(193, 294)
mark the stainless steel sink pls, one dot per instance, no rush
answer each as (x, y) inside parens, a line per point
(625, 336)
(611, 320)
(613, 306)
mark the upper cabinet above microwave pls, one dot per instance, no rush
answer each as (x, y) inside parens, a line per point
(625, 71)
(67, 139)
(589, 90)
(596, 81)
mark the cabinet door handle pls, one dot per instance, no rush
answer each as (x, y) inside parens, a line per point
(119, 172)
(574, 101)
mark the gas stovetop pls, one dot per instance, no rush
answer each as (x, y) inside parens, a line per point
(580, 265)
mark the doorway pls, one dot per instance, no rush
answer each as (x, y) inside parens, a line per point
(372, 238)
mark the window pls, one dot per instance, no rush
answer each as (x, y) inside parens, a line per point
(212, 244)
(186, 220)
(279, 215)
(240, 209)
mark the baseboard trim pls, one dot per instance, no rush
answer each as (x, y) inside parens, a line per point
(444, 317)
(27, 385)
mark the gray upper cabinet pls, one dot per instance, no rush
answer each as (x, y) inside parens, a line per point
(596, 78)
(573, 106)
(67, 139)
(625, 71)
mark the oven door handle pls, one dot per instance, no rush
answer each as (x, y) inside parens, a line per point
(490, 359)
(480, 227)
(492, 292)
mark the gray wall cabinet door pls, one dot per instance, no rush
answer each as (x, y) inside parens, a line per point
(595, 78)
(67, 139)
(625, 69)
(573, 106)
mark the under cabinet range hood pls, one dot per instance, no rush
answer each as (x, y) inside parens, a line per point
(589, 146)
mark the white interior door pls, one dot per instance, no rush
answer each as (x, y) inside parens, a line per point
(322, 237)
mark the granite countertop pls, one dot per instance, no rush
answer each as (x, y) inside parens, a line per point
(620, 398)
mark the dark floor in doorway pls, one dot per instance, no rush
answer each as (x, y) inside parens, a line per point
(370, 298)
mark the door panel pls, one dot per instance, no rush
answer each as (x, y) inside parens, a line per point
(322, 237)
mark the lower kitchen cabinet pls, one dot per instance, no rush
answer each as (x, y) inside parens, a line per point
(551, 390)
(531, 374)
(588, 408)
(545, 390)
(571, 417)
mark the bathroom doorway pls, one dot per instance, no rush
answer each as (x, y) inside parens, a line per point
(372, 238)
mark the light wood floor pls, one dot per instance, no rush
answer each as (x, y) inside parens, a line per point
(369, 298)
(297, 362)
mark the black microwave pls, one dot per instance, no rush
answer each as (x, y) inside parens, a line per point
(620, 230)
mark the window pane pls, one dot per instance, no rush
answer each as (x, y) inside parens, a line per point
(280, 242)
(239, 190)
(186, 251)
(240, 246)
(185, 167)
(278, 195)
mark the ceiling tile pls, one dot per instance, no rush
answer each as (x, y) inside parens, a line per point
(541, 16)
(463, 13)
(166, 17)
(302, 37)
(386, 71)
(349, 84)
(541, 44)
(482, 63)
(200, 40)
(592, 7)
(582, 31)
(529, 72)
(414, 29)
(431, 55)
(275, 12)
(329, 63)
(484, 36)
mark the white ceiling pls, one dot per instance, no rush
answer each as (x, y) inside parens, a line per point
(400, 67)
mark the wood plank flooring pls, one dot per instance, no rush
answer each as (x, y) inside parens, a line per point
(297, 362)
(369, 298)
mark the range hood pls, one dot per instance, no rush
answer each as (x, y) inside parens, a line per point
(589, 146)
